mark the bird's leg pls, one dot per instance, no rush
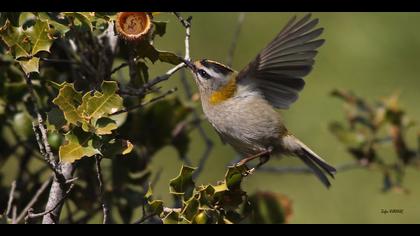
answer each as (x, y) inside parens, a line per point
(264, 157)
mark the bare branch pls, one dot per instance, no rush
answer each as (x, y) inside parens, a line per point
(58, 204)
(187, 25)
(41, 133)
(34, 200)
(11, 197)
(105, 207)
(57, 193)
(128, 109)
(241, 18)
(148, 86)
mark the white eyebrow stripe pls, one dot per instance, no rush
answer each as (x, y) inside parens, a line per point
(212, 73)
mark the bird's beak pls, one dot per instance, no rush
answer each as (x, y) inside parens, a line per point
(189, 64)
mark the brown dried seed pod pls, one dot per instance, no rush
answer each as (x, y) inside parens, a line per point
(133, 26)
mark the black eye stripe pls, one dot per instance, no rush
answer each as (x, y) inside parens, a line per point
(203, 74)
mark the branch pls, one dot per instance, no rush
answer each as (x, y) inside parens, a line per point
(241, 18)
(57, 193)
(187, 25)
(105, 207)
(148, 86)
(34, 200)
(41, 133)
(128, 109)
(53, 208)
(11, 197)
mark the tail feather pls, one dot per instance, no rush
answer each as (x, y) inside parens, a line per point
(311, 159)
(316, 170)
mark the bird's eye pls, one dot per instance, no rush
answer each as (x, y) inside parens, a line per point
(203, 74)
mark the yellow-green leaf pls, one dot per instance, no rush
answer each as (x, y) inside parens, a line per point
(79, 144)
(68, 100)
(104, 103)
(29, 66)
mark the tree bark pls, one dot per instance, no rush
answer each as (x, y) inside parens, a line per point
(57, 193)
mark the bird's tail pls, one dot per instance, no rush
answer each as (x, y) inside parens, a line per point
(317, 165)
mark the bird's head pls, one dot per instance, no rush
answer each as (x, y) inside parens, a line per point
(216, 82)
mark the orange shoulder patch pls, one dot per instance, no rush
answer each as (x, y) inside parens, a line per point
(225, 92)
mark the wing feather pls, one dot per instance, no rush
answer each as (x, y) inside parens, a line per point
(278, 70)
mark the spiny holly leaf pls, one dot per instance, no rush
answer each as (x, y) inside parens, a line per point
(160, 27)
(116, 147)
(56, 26)
(191, 208)
(154, 206)
(68, 100)
(16, 40)
(40, 37)
(79, 144)
(183, 184)
(105, 125)
(145, 49)
(81, 19)
(234, 176)
(29, 66)
(172, 218)
(106, 102)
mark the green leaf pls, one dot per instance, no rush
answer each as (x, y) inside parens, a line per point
(160, 27)
(40, 37)
(79, 144)
(16, 40)
(172, 218)
(169, 57)
(105, 125)
(183, 183)
(191, 208)
(29, 66)
(106, 102)
(68, 100)
(145, 49)
(234, 176)
(116, 147)
(81, 19)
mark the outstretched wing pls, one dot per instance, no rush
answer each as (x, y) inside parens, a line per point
(278, 70)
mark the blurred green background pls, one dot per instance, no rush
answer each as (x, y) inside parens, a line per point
(373, 54)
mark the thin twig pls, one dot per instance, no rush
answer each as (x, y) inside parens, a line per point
(187, 25)
(64, 61)
(11, 197)
(41, 133)
(124, 64)
(105, 207)
(128, 109)
(34, 200)
(36, 215)
(148, 86)
(241, 18)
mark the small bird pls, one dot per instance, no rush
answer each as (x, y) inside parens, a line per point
(241, 106)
